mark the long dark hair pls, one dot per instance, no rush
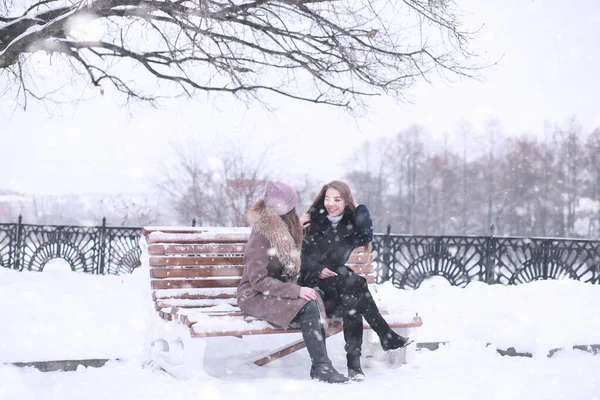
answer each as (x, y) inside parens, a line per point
(344, 191)
(293, 223)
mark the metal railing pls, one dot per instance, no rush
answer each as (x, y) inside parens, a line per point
(92, 249)
(408, 260)
(405, 260)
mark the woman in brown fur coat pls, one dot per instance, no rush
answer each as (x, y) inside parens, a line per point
(268, 289)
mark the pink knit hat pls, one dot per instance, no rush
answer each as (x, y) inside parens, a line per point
(280, 197)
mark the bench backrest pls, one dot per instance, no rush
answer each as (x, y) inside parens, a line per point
(202, 267)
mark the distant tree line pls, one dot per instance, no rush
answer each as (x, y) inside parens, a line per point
(477, 183)
(470, 183)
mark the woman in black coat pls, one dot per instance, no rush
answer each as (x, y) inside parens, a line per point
(334, 226)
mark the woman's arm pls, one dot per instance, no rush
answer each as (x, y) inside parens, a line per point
(363, 229)
(256, 261)
(310, 269)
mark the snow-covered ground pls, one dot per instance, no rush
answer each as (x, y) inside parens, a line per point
(58, 315)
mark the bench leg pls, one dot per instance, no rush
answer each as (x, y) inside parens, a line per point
(173, 350)
(333, 329)
(372, 350)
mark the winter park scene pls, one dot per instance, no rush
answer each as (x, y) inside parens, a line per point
(221, 199)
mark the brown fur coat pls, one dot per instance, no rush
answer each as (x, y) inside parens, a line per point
(268, 289)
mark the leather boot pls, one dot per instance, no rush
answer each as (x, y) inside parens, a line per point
(392, 341)
(353, 336)
(313, 334)
(355, 372)
(389, 339)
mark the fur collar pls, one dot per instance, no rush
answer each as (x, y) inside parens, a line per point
(265, 221)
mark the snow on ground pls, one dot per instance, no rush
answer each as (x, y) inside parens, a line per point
(58, 315)
(462, 373)
(62, 315)
(534, 317)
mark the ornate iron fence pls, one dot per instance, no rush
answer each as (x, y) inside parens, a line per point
(408, 260)
(405, 260)
(95, 249)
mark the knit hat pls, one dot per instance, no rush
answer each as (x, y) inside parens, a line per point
(280, 197)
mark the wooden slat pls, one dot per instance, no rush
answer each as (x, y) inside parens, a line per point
(157, 261)
(165, 316)
(363, 269)
(201, 304)
(209, 283)
(180, 317)
(231, 313)
(193, 283)
(195, 272)
(148, 230)
(333, 329)
(158, 294)
(360, 259)
(191, 240)
(207, 272)
(219, 248)
(292, 348)
(198, 230)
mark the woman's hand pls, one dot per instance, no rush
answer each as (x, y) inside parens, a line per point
(307, 293)
(326, 273)
(305, 219)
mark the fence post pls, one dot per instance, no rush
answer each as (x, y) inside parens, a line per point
(545, 254)
(18, 243)
(489, 264)
(597, 260)
(386, 256)
(102, 247)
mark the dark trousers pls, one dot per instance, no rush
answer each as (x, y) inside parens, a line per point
(347, 295)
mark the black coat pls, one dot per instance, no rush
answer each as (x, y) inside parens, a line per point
(325, 247)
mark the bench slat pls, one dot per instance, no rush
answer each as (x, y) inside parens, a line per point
(197, 303)
(176, 249)
(362, 269)
(220, 231)
(210, 293)
(228, 271)
(360, 258)
(168, 262)
(157, 261)
(190, 240)
(194, 283)
(195, 272)
(333, 329)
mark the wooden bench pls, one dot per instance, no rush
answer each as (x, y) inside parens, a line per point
(194, 273)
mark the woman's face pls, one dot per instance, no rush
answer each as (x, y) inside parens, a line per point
(334, 203)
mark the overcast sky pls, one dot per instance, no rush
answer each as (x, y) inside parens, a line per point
(550, 53)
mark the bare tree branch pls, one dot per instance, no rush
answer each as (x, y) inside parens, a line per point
(321, 51)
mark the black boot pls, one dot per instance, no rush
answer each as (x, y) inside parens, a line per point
(389, 339)
(355, 372)
(392, 341)
(314, 337)
(353, 335)
(312, 367)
